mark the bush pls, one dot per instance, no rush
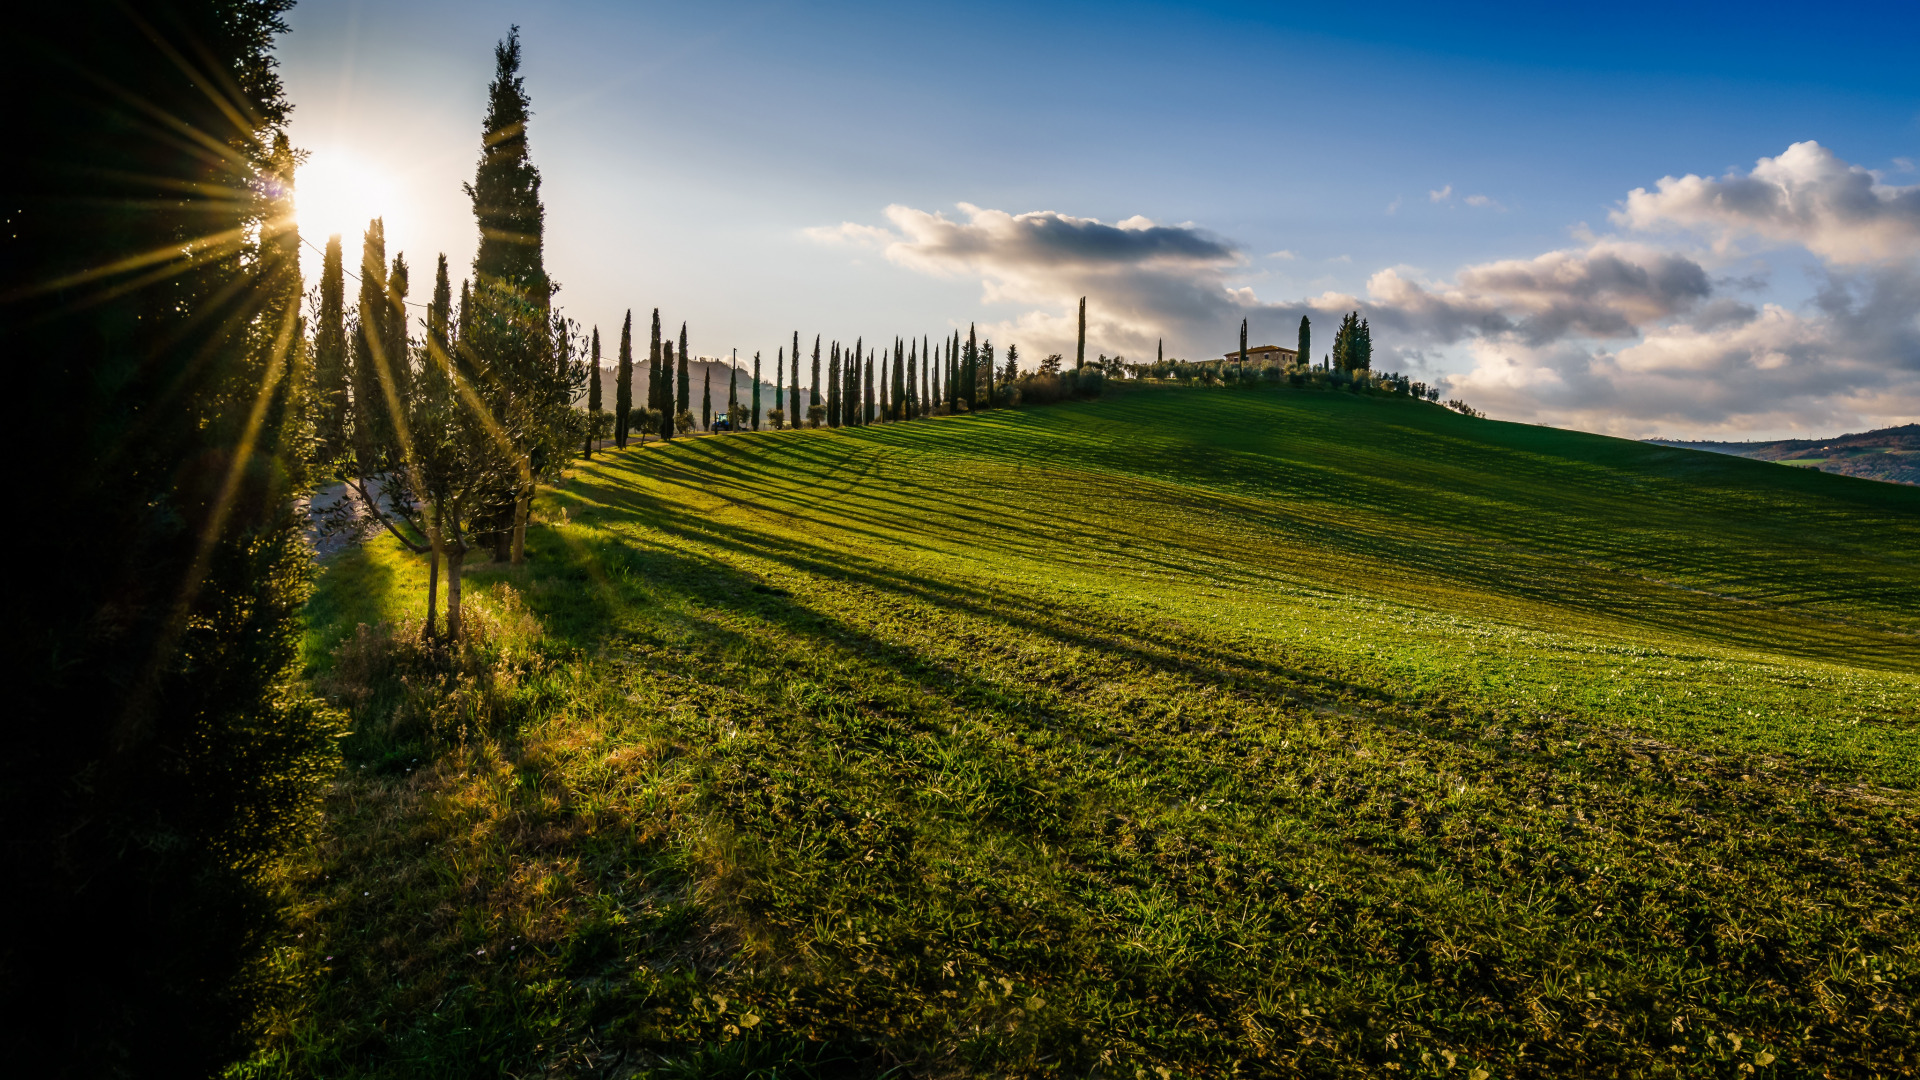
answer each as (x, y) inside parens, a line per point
(404, 689)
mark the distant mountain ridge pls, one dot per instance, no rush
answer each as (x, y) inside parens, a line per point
(1890, 454)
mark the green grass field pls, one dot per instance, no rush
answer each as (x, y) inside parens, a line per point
(1183, 733)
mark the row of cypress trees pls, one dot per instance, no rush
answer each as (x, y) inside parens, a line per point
(863, 385)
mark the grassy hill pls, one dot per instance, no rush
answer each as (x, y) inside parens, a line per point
(1187, 732)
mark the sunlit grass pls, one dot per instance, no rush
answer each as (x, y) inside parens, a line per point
(1199, 731)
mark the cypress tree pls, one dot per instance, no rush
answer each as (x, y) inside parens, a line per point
(833, 386)
(653, 363)
(330, 356)
(986, 358)
(913, 380)
(1351, 344)
(372, 418)
(849, 387)
(1013, 364)
(527, 382)
(1160, 352)
(398, 350)
(733, 392)
(899, 384)
(1304, 352)
(593, 395)
(682, 399)
(1243, 343)
(162, 751)
(706, 402)
(813, 386)
(867, 400)
(506, 186)
(780, 379)
(926, 387)
(666, 392)
(799, 413)
(756, 390)
(970, 369)
(855, 398)
(623, 383)
(668, 400)
(1080, 346)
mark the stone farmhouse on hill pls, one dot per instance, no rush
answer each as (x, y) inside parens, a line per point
(1264, 354)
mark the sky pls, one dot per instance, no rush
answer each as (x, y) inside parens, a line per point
(1682, 220)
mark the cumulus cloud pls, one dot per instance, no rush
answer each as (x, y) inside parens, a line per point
(1143, 279)
(1483, 201)
(1442, 195)
(1806, 197)
(1628, 332)
(1605, 291)
(1773, 372)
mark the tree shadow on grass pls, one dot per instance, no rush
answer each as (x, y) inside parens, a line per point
(1766, 610)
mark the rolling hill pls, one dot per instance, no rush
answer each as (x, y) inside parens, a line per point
(698, 372)
(1891, 454)
(1186, 732)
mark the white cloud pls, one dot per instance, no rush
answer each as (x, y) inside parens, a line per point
(1143, 280)
(1626, 333)
(1806, 197)
(1483, 200)
(1286, 256)
(1394, 206)
(1442, 195)
(849, 234)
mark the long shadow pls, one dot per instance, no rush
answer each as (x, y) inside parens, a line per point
(1500, 568)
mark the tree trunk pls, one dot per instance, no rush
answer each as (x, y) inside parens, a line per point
(521, 508)
(454, 558)
(433, 588)
(434, 545)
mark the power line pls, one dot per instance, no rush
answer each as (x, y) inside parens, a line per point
(353, 275)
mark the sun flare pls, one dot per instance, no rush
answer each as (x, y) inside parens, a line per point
(337, 191)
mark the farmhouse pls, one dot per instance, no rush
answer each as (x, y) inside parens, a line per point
(1264, 354)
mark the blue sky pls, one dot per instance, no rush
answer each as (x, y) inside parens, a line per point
(735, 165)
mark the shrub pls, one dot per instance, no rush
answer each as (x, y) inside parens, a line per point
(402, 688)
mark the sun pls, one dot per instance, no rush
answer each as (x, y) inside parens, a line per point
(336, 191)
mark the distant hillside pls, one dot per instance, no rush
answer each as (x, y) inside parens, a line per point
(1891, 454)
(697, 372)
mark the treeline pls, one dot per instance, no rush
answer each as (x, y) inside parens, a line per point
(833, 385)
(443, 434)
(1304, 376)
(1347, 367)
